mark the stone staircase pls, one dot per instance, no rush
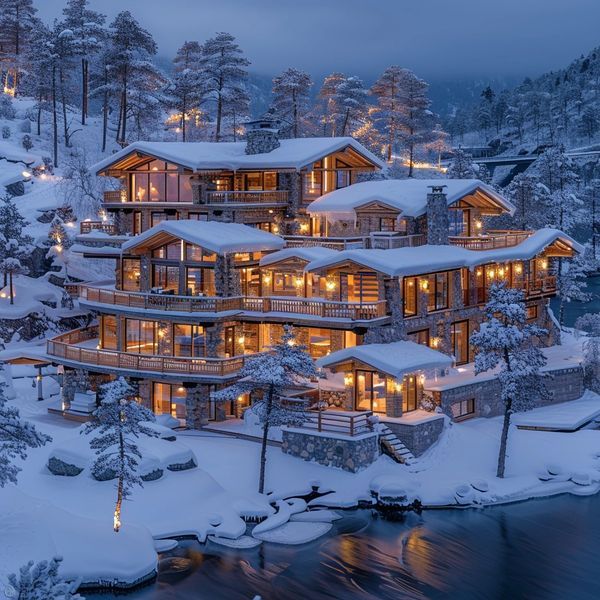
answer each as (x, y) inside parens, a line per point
(392, 446)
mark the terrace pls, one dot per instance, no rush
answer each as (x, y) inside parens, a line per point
(492, 240)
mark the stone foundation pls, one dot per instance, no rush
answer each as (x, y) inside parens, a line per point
(563, 384)
(347, 453)
(418, 437)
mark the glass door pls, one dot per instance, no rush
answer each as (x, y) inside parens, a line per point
(460, 341)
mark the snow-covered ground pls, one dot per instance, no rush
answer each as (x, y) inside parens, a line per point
(213, 498)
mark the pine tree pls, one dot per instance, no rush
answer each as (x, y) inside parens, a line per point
(14, 243)
(529, 197)
(291, 91)
(271, 374)
(387, 89)
(350, 104)
(461, 166)
(16, 436)
(589, 326)
(117, 423)
(224, 77)
(129, 72)
(572, 280)
(17, 21)
(328, 102)
(41, 581)
(184, 94)
(88, 36)
(505, 341)
(9, 267)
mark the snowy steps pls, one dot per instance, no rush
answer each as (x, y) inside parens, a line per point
(393, 447)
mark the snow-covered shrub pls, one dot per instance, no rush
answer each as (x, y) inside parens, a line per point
(25, 126)
(41, 581)
(427, 403)
(7, 110)
(27, 142)
(5, 132)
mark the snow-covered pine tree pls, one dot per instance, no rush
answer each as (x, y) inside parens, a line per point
(461, 166)
(87, 27)
(327, 107)
(291, 92)
(285, 365)
(351, 105)
(387, 89)
(14, 242)
(16, 436)
(41, 581)
(572, 279)
(529, 198)
(416, 122)
(131, 75)
(17, 21)
(116, 425)
(224, 75)
(184, 93)
(589, 325)
(506, 341)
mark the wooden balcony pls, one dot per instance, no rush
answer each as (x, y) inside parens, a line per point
(113, 196)
(339, 422)
(71, 347)
(101, 226)
(247, 197)
(382, 240)
(335, 243)
(313, 307)
(491, 240)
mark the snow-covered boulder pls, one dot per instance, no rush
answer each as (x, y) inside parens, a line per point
(294, 532)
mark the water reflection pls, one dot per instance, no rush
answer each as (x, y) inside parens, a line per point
(539, 549)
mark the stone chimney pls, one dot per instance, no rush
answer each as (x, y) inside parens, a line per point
(262, 135)
(437, 216)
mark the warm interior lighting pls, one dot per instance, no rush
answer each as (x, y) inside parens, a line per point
(241, 340)
(348, 379)
(304, 227)
(422, 379)
(299, 281)
(275, 228)
(397, 386)
(478, 273)
(478, 224)
(491, 273)
(424, 284)
(435, 342)
(543, 264)
(330, 285)
(518, 268)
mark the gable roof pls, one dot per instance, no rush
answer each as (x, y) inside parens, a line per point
(291, 154)
(303, 253)
(409, 196)
(403, 262)
(396, 358)
(213, 236)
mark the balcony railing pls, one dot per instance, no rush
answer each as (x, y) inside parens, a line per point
(113, 196)
(491, 241)
(89, 226)
(382, 240)
(335, 243)
(339, 422)
(315, 307)
(67, 347)
(247, 197)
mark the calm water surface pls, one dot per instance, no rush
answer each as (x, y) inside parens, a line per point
(543, 549)
(539, 549)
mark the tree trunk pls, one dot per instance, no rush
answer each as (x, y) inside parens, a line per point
(54, 118)
(12, 294)
(265, 437)
(505, 427)
(117, 517)
(105, 110)
(61, 79)
(219, 116)
(411, 160)
(39, 115)
(84, 84)
(346, 119)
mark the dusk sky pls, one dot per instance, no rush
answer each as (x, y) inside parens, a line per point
(436, 38)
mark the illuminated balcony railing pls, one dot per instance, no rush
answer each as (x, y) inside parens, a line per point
(247, 197)
(314, 307)
(101, 226)
(71, 347)
(491, 240)
(335, 243)
(112, 196)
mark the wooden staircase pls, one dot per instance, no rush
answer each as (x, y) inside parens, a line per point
(392, 446)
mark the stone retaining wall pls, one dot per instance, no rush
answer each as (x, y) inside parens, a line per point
(419, 437)
(350, 454)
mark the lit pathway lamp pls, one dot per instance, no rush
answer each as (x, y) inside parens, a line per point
(40, 394)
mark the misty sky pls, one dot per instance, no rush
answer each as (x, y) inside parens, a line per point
(439, 39)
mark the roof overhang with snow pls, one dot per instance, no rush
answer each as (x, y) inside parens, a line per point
(307, 254)
(292, 154)
(396, 359)
(408, 197)
(213, 236)
(403, 262)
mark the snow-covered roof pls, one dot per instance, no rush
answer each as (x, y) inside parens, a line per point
(406, 195)
(214, 236)
(401, 262)
(291, 154)
(12, 173)
(307, 254)
(395, 359)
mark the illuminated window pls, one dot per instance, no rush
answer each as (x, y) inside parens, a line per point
(410, 296)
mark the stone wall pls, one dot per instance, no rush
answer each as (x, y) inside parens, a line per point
(564, 385)
(419, 437)
(349, 454)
